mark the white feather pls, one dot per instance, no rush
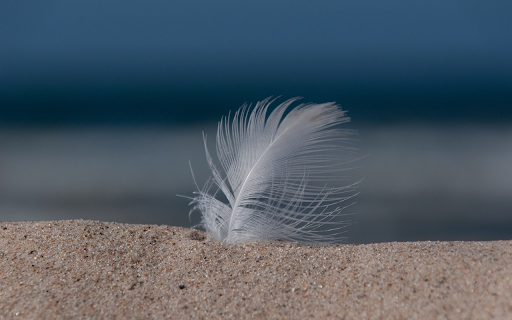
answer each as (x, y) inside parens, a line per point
(277, 175)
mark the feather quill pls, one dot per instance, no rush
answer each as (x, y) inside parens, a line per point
(276, 173)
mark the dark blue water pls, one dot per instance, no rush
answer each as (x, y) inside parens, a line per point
(167, 104)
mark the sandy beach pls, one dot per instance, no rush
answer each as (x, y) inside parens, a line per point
(90, 269)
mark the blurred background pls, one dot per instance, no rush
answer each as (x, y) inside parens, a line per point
(103, 105)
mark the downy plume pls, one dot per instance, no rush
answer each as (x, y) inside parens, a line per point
(280, 175)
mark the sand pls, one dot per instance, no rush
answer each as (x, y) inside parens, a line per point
(98, 270)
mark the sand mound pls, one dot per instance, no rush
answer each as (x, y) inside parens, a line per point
(90, 269)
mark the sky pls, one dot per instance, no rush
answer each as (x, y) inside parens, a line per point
(175, 62)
